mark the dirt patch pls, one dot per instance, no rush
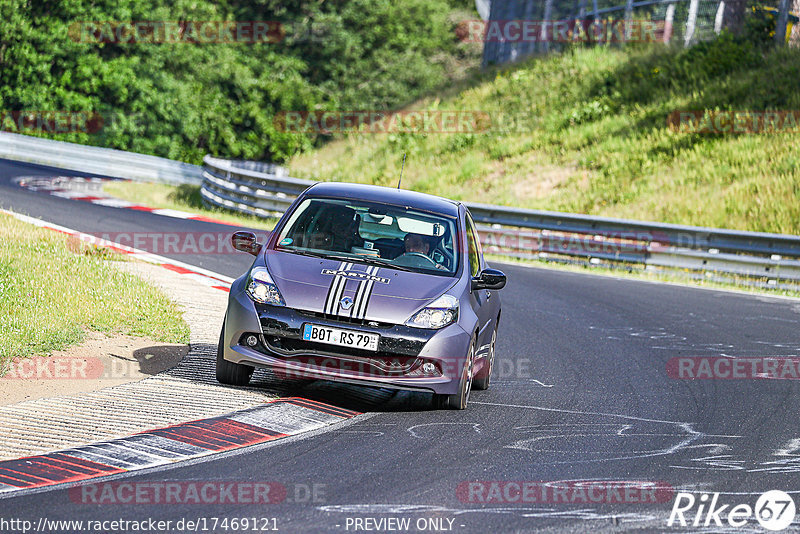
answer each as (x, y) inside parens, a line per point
(99, 362)
(542, 182)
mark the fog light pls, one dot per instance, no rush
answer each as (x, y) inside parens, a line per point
(428, 368)
(251, 340)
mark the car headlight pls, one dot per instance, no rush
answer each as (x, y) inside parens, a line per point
(261, 288)
(438, 314)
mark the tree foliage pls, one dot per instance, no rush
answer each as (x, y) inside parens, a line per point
(183, 100)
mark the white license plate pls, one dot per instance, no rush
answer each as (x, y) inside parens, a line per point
(343, 338)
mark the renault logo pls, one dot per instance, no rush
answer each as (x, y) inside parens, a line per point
(346, 303)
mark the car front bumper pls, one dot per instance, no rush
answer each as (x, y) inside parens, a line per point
(398, 363)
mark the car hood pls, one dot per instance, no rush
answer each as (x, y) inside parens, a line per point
(352, 289)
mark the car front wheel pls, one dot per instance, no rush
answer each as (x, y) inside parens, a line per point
(484, 376)
(234, 374)
(459, 400)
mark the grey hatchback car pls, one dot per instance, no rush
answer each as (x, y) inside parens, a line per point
(367, 285)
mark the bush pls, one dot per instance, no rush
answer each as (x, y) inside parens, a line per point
(184, 100)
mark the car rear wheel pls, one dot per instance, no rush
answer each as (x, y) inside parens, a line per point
(483, 378)
(459, 400)
(234, 374)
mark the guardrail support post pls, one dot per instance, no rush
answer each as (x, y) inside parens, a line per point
(628, 17)
(547, 26)
(783, 18)
(668, 20)
(719, 17)
(691, 22)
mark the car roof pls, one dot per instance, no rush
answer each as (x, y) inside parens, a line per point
(389, 195)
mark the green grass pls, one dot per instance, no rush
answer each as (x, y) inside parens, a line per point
(53, 290)
(586, 131)
(181, 198)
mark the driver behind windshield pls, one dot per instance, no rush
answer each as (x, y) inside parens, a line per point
(417, 244)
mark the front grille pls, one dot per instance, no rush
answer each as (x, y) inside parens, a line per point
(345, 320)
(384, 363)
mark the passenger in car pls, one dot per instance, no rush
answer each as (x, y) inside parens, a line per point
(341, 233)
(416, 243)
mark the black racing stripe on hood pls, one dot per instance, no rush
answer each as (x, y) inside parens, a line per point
(359, 295)
(366, 293)
(336, 282)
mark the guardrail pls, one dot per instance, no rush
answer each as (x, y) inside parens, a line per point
(267, 190)
(97, 160)
(750, 258)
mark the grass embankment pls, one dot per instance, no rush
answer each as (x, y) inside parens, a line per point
(586, 131)
(52, 290)
(181, 198)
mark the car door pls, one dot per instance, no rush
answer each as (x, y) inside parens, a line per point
(483, 301)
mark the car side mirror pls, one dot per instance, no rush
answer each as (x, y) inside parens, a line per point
(246, 242)
(489, 279)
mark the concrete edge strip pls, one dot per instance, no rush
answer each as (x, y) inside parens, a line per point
(44, 185)
(210, 278)
(273, 420)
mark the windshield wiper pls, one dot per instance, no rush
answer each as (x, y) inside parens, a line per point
(383, 263)
(362, 259)
(316, 254)
(323, 255)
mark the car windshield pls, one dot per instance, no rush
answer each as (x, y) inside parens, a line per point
(381, 234)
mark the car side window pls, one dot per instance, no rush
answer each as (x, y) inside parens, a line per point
(473, 248)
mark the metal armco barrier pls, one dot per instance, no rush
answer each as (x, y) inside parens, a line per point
(97, 160)
(770, 260)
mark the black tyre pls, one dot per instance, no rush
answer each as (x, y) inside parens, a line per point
(484, 376)
(234, 374)
(459, 400)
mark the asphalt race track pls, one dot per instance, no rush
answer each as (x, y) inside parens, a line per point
(581, 393)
